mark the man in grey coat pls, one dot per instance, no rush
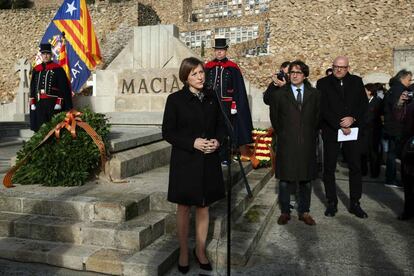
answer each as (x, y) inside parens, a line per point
(294, 113)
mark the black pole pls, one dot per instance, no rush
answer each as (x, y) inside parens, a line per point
(229, 188)
(228, 155)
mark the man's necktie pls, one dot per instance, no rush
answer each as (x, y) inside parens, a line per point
(299, 97)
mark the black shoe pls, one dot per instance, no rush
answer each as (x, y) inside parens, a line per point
(183, 269)
(331, 210)
(357, 211)
(206, 266)
(394, 184)
(405, 216)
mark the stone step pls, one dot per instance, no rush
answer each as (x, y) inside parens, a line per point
(6, 142)
(240, 201)
(92, 206)
(135, 118)
(155, 259)
(132, 235)
(137, 160)
(128, 137)
(12, 129)
(247, 230)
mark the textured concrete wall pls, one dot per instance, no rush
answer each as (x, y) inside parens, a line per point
(26, 28)
(316, 32)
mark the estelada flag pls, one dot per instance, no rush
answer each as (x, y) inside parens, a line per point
(72, 31)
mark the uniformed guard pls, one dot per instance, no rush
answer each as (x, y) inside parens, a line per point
(224, 77)
(50, 90)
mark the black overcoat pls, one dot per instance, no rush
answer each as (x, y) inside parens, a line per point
(337, 104)
(296, 131)
(195, 178)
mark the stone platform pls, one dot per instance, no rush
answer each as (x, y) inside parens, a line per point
(126, 227)
(114, 228)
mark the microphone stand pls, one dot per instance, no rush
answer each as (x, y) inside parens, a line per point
(228, 153)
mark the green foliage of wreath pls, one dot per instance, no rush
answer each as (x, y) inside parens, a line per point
(63, 162)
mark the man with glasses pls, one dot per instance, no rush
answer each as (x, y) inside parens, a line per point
(343, 104)
(294, 113)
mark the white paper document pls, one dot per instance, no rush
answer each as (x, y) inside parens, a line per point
(350, 137)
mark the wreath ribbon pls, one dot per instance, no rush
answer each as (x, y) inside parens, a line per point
(70, 122)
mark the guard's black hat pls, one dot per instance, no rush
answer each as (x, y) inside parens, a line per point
(46, 48)
(220, 43)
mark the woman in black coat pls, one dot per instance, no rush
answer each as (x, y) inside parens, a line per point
(372, 154)
(194, 127)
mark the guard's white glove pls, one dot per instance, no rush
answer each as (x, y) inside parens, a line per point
(32, 107)
(58, 107)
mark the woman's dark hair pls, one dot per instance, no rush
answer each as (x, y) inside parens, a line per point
(401, 74)
(187, 65)
(303, 67)
(371, 87)
(285, 64)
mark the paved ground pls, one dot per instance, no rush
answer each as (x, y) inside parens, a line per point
(343, 245)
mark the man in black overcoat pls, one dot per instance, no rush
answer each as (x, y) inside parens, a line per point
(294, 113)
(343, 105)
(50, 90)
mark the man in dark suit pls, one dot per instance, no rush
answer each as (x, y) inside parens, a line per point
(294, 113)
(343, 105)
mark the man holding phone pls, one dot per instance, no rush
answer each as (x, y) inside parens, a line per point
(278, 80)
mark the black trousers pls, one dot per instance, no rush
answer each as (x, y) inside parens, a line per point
(352, 156)
(43, 113)
(371, 154)
(304, 200)
(408, 182)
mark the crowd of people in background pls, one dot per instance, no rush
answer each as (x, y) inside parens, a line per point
(385, 119)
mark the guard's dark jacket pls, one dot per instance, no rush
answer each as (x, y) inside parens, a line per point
(48, 86)
(224, 77)
(195, 178)
(339, 101)
(296, 131)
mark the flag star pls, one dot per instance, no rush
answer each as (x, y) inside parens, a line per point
(71, 8)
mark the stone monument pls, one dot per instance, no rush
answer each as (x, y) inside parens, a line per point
(134, 87)
(23, 68)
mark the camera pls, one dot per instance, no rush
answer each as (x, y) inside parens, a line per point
(410, 94)
(281, 76)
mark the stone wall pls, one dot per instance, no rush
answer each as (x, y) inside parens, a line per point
(27, 27)
(316, 32)
(47, 3)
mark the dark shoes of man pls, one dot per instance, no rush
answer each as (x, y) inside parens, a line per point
(331, 210)
(307, 219)
(405, 216)
(283, 219)
(394, 184)
(357, 210)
